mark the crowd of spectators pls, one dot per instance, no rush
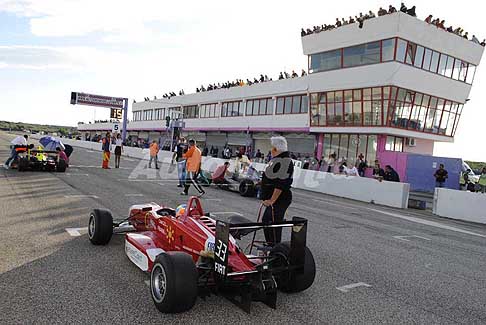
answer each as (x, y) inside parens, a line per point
(357, 19)
(440, 23)
(240, 82)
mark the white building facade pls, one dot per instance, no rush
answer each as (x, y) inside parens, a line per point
(397, 84)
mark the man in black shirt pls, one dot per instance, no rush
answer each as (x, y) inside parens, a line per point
(440, 176)
(180, 149)
(391, 175)
(276, 185)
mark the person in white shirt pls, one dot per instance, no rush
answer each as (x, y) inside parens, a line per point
(118, 150)
(18, 142)
(353, 171)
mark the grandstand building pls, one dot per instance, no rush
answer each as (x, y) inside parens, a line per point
(397, 84)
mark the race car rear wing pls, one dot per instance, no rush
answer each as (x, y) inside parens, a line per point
(297, 242)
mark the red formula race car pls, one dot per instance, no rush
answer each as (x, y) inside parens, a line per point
(192, 254)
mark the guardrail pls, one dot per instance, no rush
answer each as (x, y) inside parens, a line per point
(357, 188)
(461, 205)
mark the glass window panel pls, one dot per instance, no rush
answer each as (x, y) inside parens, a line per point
(450, 124)
(429, 122)
(386, 104)
(434, 61)
(456, 123)
(335, 144)
(263, 107)
(338, 96)
(315, 98)
(357, 114)
(322, 114)
(442, 64)
(352, 149)
(304, 108)
(377, 93)
(393, 93)
(326, 147)
(386, 92)
(427, 58)
(241, 108)
(449, 67)
(367, 117)
(314, 114)
(343, 146)
(330, 114)
(270, 106)
(443, 122)
(325, 61)
(348, 95)
(402, 120)
(388, 50)
(322, 98)
(357, 94)
(419, 57)
(376, 112)
(414, 122)
(463, 71)
(457, 68)
(411, 52)
(471, 70)
(418, 99)
(296, 104)
(402, 94)
(371, 148)
(348, 112)
(288, 105)
(249, 107)
(399, 144)
(330, 96)
(338, 118)
(361, 54)
(256, 107)
(367, 94)
(390, 143)
(362, 145)
(280, 105)
(395, 111)
(401, 49)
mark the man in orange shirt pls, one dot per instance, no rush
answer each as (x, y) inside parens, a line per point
(193, 164)
(154, 150)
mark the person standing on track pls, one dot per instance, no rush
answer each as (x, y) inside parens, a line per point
(15, 144)
(193, 164)
(118, 150)
(154, 150)
(180, 150)
(106, 147)
(276, 183)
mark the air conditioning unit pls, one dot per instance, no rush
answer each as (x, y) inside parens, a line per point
(411, 142)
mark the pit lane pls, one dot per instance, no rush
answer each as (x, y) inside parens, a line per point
(49, 276)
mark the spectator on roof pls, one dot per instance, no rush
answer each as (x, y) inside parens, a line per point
(403, 8)
(382, 12)
(391, 9)
(303, 73)
(338, 22)
(483, 43)
(466, 36)
(371, 14)
(474, 39)
(428, 20)
(351, 20)
(411, 12)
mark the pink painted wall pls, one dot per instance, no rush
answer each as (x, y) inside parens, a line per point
(423, 147)
(398, 160)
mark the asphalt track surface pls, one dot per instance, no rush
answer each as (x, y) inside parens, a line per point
(48, 276)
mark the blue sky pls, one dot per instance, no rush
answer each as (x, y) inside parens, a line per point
(49, 48)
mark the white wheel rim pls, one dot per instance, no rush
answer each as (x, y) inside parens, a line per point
(91, 226)
(158, 283)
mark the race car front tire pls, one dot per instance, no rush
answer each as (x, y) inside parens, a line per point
(100, 227)
(173, 282)
(247, 188)
(293, 280)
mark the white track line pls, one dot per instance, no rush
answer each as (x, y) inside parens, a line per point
(348, 287)
(79, 196)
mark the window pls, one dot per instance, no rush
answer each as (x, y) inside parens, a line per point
(388, 50)
(147, 115)
(427, 57)
(419, 57)
(208, 110)
(401, 49)
(463, 71)
(471, 70)
(325, 61)
(190, 111)
(411, 52)
(259, 106)
(434, 61)
(442, 65)
(297, 104)
(232, 109)
(350, 146)
(361, 54)
(394, 144)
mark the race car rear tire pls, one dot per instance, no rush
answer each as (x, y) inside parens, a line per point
(173, 282)
(100, 227)
(293, 280)
(61, 166)
(247, 188)
(23, 164)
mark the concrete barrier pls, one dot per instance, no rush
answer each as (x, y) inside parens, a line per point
(461, 205)
(357, 188)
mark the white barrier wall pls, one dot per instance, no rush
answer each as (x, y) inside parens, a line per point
(460, 205)
(356, 188)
